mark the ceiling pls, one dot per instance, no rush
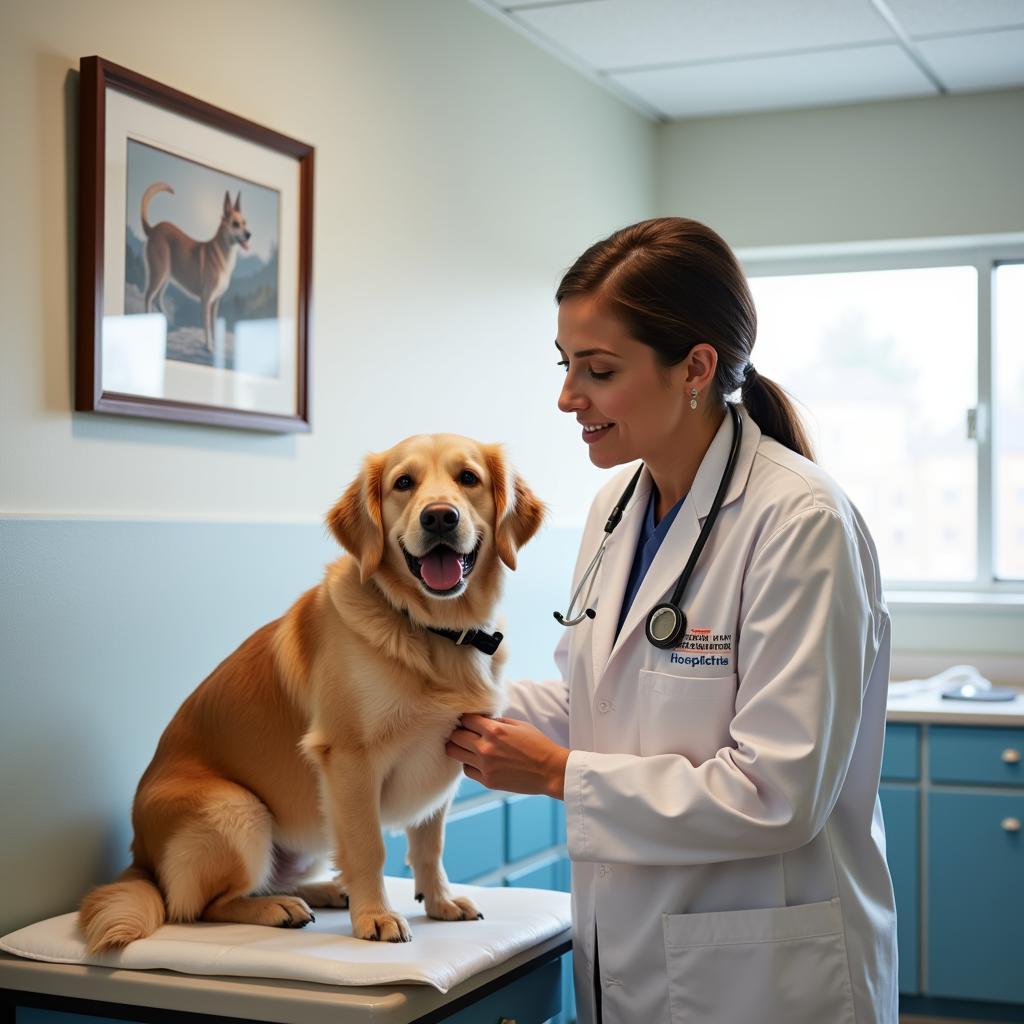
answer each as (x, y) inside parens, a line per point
(674, 59)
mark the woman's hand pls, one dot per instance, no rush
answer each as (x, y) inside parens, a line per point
(513, 756)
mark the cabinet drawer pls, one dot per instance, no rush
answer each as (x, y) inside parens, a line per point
(975, 898)
(536, 876)
(975, 754)
(529, 826)
(532, 999)
(901, 754)
(474, 842)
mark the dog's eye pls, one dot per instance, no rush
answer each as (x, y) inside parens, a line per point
(468, 477)
(403, 483)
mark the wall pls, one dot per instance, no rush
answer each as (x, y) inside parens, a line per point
(459, 171)
(907, 169)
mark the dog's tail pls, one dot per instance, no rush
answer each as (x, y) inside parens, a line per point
(128, 909)
(157, 186)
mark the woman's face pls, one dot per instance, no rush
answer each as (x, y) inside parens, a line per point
(616, 384)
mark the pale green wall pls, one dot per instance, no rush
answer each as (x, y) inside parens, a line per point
(922, 168)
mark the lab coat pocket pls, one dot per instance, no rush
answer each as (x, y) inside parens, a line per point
(783, 965)
(685, 714)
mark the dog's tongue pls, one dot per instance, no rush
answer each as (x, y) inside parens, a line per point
(441, 568)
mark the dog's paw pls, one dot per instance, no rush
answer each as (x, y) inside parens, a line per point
(324, 894)
(452, 908)
(284, 912)
(382, 926)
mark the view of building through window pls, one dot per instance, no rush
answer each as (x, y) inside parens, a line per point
(884, 368)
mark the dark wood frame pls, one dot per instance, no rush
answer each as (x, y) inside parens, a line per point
(96, 76)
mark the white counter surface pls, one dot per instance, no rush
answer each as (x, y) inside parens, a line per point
(932, 707)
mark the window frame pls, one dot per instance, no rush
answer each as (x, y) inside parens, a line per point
(985, 253)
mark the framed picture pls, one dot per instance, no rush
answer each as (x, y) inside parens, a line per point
(195, 257)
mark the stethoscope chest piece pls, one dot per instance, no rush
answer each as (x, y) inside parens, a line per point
(665, 625)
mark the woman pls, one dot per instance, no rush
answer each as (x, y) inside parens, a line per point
(721, 796)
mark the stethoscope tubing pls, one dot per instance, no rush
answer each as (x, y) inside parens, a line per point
(670, 611)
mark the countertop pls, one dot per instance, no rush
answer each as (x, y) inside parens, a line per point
(932, 707)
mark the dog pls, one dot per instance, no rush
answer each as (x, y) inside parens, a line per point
(332, 720)
(202, 269)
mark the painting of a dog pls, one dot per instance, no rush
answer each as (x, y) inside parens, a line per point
(202, 253)
(203, 269)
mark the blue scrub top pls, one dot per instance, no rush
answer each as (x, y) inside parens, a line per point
(647, 545)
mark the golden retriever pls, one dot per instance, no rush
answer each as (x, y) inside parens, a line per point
(332, 720)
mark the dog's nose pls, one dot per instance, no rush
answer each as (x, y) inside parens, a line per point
(439, 518)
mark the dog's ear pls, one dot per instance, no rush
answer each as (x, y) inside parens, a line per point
(356, 520)
(518, 513)
(238, 203)
(227, 204)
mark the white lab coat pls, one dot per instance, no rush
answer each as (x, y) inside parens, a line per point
(721, 800)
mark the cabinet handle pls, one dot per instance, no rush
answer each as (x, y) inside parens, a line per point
(507, 1020)
(1011, 824)
(1010, 756)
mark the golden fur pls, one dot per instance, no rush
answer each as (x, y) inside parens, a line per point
(331, 721)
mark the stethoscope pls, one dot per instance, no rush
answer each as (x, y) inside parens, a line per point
(666, 623)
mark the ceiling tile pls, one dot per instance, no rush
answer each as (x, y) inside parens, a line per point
(820, 79)
(988, 60)
(625, 34)
(929, 17)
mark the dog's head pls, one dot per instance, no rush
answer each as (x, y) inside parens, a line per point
(431, 518)
(234, 222)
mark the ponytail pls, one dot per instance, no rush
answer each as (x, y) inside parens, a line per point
(770, 408)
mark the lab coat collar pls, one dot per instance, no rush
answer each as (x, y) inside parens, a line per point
(661, 577)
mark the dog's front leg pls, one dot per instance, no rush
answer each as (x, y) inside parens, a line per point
(353, 793)
(426, 842)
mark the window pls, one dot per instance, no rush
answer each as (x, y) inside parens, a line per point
(898, 362)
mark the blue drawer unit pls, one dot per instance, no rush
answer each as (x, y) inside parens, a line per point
(530, 826)
(475, 841)
(560, 837)
(977, 755)
(470, 788)
(901, 810)
(535, 876)
(564, 875)
(901, 756)
(976, 896)
(395, 846)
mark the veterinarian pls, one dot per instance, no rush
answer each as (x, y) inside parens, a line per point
(721, 791)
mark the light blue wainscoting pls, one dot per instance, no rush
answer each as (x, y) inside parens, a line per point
(107, 625)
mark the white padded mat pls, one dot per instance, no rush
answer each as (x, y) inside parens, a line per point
(442, 953)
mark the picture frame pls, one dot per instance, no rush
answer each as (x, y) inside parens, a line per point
(195, 254)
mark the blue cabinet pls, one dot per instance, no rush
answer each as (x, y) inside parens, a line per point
(953, 802)
(976, 895)
(900, 808)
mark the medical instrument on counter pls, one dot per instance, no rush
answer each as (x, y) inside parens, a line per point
(969, 684)
(666, 623)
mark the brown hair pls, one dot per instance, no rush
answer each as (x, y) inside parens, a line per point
(675, 283)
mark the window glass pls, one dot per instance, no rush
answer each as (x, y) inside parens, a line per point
(1008, 421)
(884, 367)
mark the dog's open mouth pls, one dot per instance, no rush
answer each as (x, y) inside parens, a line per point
(442, 569)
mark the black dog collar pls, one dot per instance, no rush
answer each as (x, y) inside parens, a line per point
(478, 638)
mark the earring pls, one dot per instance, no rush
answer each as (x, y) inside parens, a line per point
(693, 398)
